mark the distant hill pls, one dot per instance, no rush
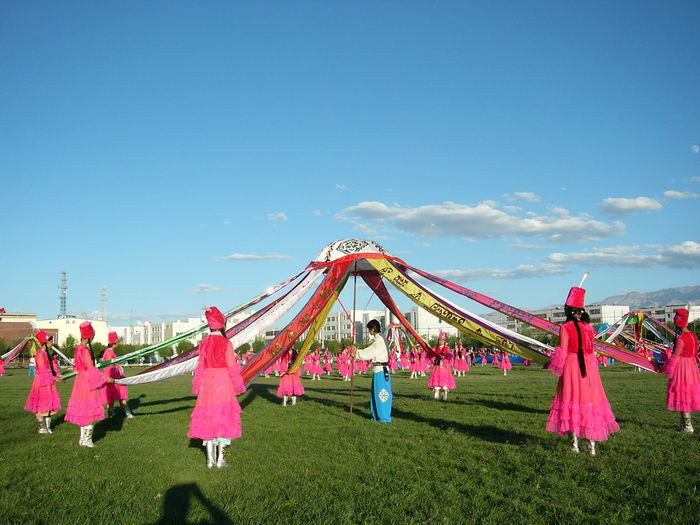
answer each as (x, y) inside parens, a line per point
(680, 295)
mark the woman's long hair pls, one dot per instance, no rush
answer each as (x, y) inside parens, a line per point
(92, 353)
(571, 313)
(48, 358)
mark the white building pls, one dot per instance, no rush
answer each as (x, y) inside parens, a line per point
(70, 326)
(665, 314)
(337, 326)
(427, 325)
(599, 313)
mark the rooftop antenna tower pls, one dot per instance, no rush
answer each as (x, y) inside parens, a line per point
(63, 293)
(103, 304)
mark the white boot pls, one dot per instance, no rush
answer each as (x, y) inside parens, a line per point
(82, 436)
(209, 445)
(437, 393)
(221, 459)
(575, 447)
(294, 400)
(47, 420)
(444, 394)
(41, 426)
(127, 411)
(687, 423)
(284, 401)
(87, 440)
(591, 447)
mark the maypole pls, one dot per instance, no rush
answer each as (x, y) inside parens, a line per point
(354, 338)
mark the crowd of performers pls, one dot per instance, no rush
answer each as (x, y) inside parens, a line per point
(580, 408)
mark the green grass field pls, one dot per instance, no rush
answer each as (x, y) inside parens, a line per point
(483, 457)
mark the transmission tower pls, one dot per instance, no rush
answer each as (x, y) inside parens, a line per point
(63, 293)
(103, 303)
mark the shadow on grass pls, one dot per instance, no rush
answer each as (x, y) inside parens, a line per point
(160, 401)
(177, 502)
(489, 433)
(514, 407)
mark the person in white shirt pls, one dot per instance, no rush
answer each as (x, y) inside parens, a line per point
(378, 353)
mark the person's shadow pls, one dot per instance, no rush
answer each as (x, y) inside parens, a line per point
(176, 505)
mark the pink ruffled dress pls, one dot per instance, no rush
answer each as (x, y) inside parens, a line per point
(441, 376)
(290, 384)
(505, 362)
(86, 403)
(580, 405)
(2, 367)
(683, 388)
(113, 392)
(43, 396)
(217, 381)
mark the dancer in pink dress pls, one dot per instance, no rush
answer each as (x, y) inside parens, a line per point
(86, 403)
(580, 406)
(505, 364)
(327, 363)
(441, 380)
(423, 363)
(43, 399)
(113, 391)
(495, 362)
(290, 384)
(2, 367)
(683, 389)
(216, 418)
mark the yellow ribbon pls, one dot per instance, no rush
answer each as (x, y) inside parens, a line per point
(439, 309)
(316, 327)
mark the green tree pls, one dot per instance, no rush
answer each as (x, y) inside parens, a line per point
(184, 346)
(3, 346)
(69, 346)
(258, 344)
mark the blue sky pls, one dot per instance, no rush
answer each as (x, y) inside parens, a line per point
(509, 145)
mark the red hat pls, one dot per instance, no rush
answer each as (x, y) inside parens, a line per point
(576, 297)
(215, 318)
(86, 330)
(112, 338)
(681, 319)
(41, 337)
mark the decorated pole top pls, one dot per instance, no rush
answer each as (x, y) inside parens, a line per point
(344, 247)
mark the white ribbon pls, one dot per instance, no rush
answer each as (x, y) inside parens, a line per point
(246, 335)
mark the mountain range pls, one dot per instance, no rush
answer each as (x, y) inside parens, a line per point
(667, 296)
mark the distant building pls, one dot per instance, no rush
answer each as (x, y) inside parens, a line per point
(70, 326)
(337, 326)
(600, 313)
(665, 313)
(427, 325)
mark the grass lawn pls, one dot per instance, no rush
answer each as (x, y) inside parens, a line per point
(482, 457)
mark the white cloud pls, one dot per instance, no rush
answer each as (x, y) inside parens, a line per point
(672, 194)
(206, 288)
(480, 222)
(523, 196)
(695, 148)
(318, 213)
(684, 255)
(252, 257)
(227, 222)
(557, 210)
(524, 271)
(527, 245)
(341, 187)
(621, 205)
(512, 209)
(277, 216)
(695, 179)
